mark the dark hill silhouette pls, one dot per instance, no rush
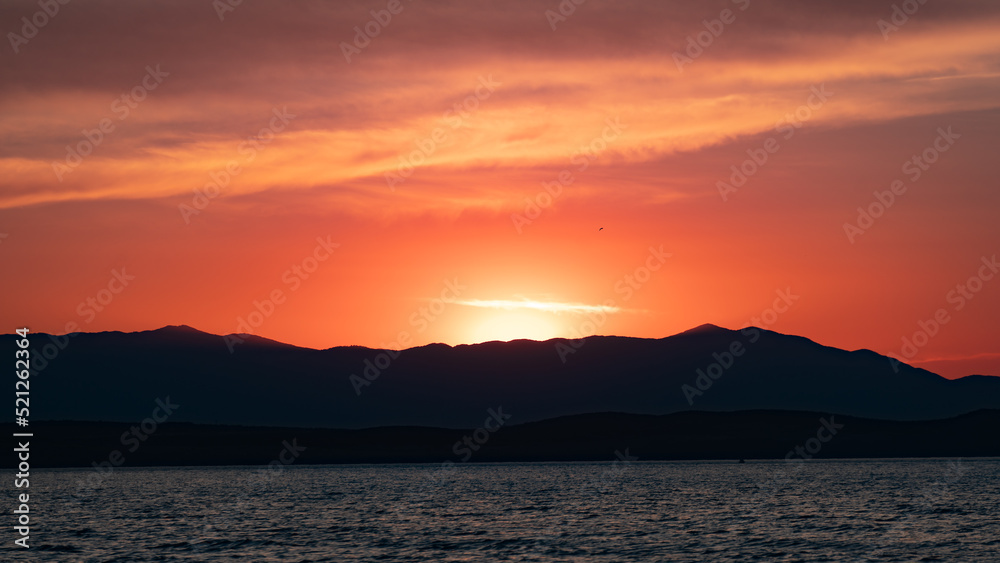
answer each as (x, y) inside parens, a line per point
(117, 376)
(604, 437)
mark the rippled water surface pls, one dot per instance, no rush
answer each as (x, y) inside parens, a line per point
(859, 510)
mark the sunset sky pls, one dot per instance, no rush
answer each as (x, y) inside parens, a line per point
(497, 170)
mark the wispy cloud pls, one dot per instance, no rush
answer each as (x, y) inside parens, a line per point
(549, 306)
(353, 123)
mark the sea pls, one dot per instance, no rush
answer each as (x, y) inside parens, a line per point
(622, 509)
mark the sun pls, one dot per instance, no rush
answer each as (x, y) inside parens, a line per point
(514, 325)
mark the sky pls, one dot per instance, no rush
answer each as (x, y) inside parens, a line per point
(394, 173)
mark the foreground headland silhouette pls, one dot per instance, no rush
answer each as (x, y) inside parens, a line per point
(751, 435)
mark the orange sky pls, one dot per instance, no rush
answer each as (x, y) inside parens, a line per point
(489, 104)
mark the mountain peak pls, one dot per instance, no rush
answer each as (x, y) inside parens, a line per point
(179, 329)
(706, 328)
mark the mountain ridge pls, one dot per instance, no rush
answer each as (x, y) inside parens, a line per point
(242, 379)
(703, 328)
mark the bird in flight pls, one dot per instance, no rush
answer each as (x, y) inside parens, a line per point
(601, 229)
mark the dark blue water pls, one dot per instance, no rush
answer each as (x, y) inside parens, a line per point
(860, 510)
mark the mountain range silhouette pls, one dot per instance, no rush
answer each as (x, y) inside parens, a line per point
(253, 381)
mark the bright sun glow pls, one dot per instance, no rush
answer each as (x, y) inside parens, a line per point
(550, 306)
(513, 325)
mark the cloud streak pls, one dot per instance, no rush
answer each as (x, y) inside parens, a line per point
(547, 306)
(356, 119)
